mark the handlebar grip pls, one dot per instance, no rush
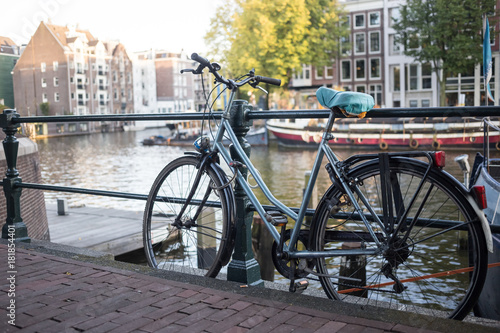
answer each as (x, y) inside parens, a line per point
(199, 59)
(270, 80)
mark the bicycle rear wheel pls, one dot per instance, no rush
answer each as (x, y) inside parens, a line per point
(198, 247)
(438, 270)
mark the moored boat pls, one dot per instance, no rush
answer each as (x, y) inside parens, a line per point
(404, 133)
(255, 137)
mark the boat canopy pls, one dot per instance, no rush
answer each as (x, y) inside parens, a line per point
(353, 103)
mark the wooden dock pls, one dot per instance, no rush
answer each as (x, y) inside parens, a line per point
(101, 229)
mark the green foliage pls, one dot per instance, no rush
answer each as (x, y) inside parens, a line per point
(275, 36)
(45, 107)
(445, 33)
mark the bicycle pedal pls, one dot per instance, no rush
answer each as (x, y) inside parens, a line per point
(276, 218)
(301, 285)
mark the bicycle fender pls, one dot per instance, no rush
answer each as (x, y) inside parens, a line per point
(484, 223)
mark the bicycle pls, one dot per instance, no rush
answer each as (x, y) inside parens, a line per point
(377, 236)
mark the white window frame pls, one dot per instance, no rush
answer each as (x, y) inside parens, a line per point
(55, 66)
(44, 82)
(394, 48)
(370, 42)
(354, 21)
(326, 72)
(56, 81)
(56, 97)
(369, 19)
(361, 85)
(342, 70)
(356, 52)
(417, 77)
(43, 67)
(379, 68)
(45, 98)
(356, 70)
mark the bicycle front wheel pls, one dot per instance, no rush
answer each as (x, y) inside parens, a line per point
(198, 246)
(436, 266)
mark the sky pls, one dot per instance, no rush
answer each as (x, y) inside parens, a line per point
(171, 25)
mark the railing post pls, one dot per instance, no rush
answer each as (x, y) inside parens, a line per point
(14, 226)
(243, 267)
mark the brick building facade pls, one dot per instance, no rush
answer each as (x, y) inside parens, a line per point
(67, 71)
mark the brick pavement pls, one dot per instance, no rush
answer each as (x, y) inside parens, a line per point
(57, 294)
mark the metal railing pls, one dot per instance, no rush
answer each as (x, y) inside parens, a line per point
(10, 121)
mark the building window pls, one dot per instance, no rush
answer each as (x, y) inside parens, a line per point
(55, 65)
(394, 47)
(115, 93)
(44, 98)
(56, 97)
(72, 95)
(328, 72)
(359, 21)
(43, 67)
(426, 76)
(396, 79)
(412, 77)
(44, 82)
(374, 19)
(360, 69)
(346, 70)
(84, 127)
(413, 103)
(56, 82)
(394, 15)
(375, 41)
(375, 68)
(426, 103)
(361, 89)
(359, 46)
(60, 128)
(71, 127)
(320, 72)
(376, 93)
(345, 45)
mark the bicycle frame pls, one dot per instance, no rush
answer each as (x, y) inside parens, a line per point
(323, 149)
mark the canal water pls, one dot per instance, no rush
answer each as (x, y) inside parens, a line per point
(119, 162)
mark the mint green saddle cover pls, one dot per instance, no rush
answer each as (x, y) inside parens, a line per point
(351, 102)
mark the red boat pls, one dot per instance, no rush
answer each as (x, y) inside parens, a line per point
(404, 133)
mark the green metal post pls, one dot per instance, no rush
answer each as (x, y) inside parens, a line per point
(14, 228)
(243, 267)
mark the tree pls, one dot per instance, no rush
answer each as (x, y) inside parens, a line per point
(444, 33)
(44, 107)
(276, 36)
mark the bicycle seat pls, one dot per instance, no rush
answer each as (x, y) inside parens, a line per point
(351, 103)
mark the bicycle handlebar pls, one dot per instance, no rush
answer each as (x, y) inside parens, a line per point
(253, 78)
(270, 80)
(201, 60)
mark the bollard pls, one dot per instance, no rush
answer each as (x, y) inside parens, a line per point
(353, 266)
(206, 241)
(62, 207)
(14, 227)
(262, 243)
(243, 267)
